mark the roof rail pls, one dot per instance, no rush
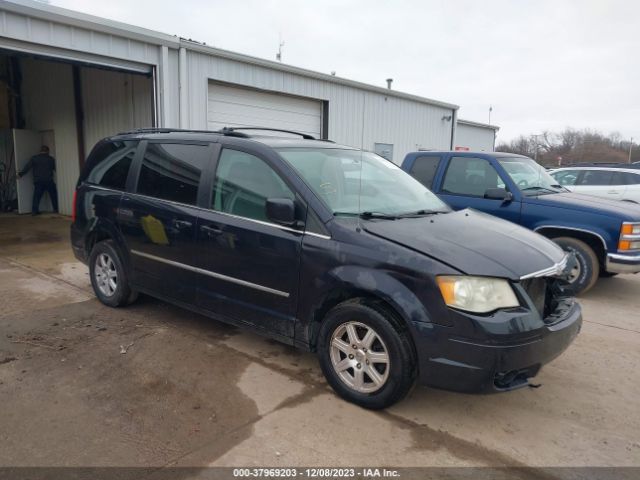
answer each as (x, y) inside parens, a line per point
(165, 130)
(228, 131)
(306, 136)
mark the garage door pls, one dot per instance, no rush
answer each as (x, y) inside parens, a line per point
(242, 107)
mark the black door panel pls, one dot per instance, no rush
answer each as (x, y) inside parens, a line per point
(250, 266)
(160, 236)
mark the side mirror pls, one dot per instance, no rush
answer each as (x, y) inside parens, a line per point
(498, 194)
(281, 210)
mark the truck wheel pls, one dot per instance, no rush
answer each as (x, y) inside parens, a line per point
(108, 276)
(365, 355)
(587, 270)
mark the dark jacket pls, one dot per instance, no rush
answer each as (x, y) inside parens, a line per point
(43, 166)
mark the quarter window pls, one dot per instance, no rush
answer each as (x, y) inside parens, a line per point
(172, 171)
(243, 184)
(109, 164)
(470, 176)
(424, 169)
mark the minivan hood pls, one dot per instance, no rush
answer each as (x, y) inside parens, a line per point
(627, 211)
(473, 242)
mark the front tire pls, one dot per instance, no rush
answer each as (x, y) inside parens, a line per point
(366, 355)
(108, 275)
(586, 273)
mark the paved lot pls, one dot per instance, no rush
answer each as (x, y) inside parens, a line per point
(193, 392)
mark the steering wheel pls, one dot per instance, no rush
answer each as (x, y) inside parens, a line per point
(523, 183)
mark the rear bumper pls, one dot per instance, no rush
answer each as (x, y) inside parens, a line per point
(620, 263)
(494, 363)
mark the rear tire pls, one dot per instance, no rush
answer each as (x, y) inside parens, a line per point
(381, 370)
(588, 270)
(108, 275)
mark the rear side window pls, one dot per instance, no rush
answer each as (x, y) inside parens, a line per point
(626, 178)
(109, 164)
(632, 178)
(424, 169)
(596, 177)
(172, 171)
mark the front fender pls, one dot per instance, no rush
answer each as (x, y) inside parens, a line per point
(381, 284)
(349, 281)
(603, 235)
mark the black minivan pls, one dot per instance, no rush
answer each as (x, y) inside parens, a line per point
(326, 247)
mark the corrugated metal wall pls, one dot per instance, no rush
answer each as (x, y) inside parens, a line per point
(47, 92)
(113, 102)
(356, 117)
(43, 30)
(475, 137)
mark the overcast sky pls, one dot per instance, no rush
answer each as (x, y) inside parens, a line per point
(542, 65)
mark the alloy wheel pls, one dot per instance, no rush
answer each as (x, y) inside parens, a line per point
(106, 275)
(359, 357)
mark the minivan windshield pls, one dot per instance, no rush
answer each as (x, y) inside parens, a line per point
(530, 177)
(352, 182)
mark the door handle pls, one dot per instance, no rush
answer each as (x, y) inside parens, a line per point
(612, 192)
(179, 224)
(211, 231)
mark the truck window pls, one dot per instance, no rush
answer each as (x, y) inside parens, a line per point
(424, 169)
(470, 176)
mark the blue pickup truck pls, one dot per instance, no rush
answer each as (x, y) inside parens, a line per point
(603, 234)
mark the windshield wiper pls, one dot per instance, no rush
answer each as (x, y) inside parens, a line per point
(540, 189)
(420, 213)
(385, 216)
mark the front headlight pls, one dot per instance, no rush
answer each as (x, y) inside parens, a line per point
(629, 237)
(476, 294)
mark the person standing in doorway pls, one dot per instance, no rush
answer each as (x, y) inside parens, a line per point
(43, 166)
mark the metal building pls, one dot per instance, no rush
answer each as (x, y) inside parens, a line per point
(69, 79)
(475, 136)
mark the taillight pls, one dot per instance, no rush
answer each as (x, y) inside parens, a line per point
(73, 205)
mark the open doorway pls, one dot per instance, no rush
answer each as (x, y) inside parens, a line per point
(67, 106)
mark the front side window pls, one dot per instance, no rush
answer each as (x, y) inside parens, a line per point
(351, 182)
(110, 162)
(172, 171)
(596, 177)
(470, 176)
(424, 169)
(243, 184)
(566, 177)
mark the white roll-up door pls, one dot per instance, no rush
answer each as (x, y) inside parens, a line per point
(243, 107)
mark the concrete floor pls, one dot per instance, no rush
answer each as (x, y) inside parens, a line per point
(193, 392)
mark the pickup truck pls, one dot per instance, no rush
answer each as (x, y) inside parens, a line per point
(603, 234)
